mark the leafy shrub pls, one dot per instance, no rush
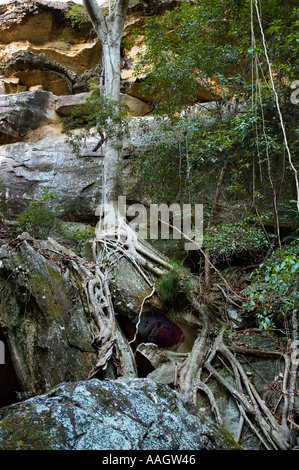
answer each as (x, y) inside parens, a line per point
(274, 292)
(77, 15)
(98, 116)
(80, 235)
(230, 239)
(174, 286)
(41, 217)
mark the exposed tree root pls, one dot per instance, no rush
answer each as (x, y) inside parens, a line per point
(271, 431)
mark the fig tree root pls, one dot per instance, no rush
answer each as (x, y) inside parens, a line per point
(273, 432)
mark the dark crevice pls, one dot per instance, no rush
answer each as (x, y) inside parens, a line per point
(9, 384)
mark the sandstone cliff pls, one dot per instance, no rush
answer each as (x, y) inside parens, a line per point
(40, 47)
(45, 71)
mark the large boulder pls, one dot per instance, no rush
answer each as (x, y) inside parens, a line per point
(22, 112)
(126, 414)
(43, 321)
(27, 169)
(135, 106)
(66, 105)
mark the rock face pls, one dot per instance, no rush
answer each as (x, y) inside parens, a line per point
(28, 169)
(46, 65)
(43, 320)
(40, 46)
(126, 414)
(40, 158)
(67, 104)
(10, 386)
(36, 70)
(42, 27)
(25, 111)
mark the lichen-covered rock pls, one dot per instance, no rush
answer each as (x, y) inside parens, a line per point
(11, 85)
(67, 104)
(43, 320)
(129, 289)
(126, 414)
(41, 28)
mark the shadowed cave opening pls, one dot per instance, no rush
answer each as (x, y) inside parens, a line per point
(154, 327)
(9, 383)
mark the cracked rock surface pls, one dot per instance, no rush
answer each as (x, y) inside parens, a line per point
(122, 414)
(22, 112)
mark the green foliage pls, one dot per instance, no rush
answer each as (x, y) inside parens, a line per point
(77, 15)
(189, 47)
(284, 39)
(98, 116)
(181, 159)
(41, 217)
(274, 292)
(230, 239)
(174, 286)
(165, 162)
(80, 235)
(205, 49)
(207, 46)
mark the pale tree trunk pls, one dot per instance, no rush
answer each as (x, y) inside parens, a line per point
(112, 180)
(110, 30)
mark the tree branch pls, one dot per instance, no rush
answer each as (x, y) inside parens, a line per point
(94, 12)
(96, 17)
(121, 7)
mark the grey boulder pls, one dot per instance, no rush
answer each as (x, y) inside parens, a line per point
(22, 112)
(125, 414)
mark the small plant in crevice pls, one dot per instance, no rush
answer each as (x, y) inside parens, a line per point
(80, 235)
(77, 15)
(174, 286)
(21, 270)
(42, 216)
